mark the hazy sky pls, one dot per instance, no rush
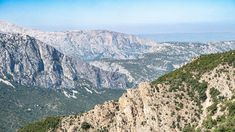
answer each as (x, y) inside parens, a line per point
(131, 16)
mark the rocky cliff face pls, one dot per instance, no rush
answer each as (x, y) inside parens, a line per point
(200, 95)
(139, 59)
(88, 45)
(29, 61)
(170, 56)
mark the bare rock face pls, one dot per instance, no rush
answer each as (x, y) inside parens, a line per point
(31, 62)
(141, 109)
(171, 104)
(139, 59)
(87, 45)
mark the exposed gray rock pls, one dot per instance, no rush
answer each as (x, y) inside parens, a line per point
(87, 45)
(139, 59)
(170, 56)
(170, 104)
(29, 61)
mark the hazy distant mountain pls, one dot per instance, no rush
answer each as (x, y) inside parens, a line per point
(202, 37)
(170, 56)
(139, 59)
(88, 45)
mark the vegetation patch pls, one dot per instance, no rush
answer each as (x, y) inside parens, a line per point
(50, 123)
(18, 108)
(224, 123)
(187, 78)
(214, 94)
(85, 126)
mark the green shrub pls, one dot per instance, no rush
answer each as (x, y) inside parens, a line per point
(231, 108)
(214, 94)
(212, 108)
(189, 128)
(209, 123)
(85, 126)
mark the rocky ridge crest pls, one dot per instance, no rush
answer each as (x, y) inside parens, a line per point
(185, 99)
(29, 61)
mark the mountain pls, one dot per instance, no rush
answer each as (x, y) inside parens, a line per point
(199, 96)
(37, 81)
(28, 61)
(172, 55)
(190, 37)
(87, 45)
(69, 72)
(139, 59)
(22, 104)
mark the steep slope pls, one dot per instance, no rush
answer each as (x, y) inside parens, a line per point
(149, 66)
(139, 59)
(23, 104)
(28, 61)
(200, 95)
(87, 45)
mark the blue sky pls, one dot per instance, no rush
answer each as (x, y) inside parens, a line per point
(131, 16)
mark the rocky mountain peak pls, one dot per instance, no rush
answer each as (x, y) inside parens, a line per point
(188, 99)
(27, 60)
(87, 44)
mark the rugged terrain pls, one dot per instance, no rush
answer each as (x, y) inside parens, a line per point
(198, 96)
(28, 61)
(87, 45)
(172, 55)
(69, 72)
(23, 104)
(139, 59)
(36, 81)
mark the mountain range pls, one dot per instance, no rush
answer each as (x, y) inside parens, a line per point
(199, 96)
(28, 61)
(72, 71)
(87, 45)
(136, 58)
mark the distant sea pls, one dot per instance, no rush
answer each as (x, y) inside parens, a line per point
(190, 37)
